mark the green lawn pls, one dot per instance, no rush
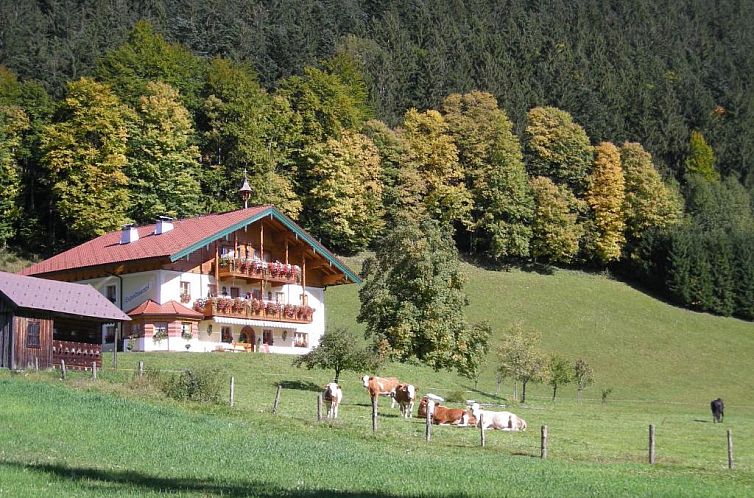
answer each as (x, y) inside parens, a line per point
(116, 436)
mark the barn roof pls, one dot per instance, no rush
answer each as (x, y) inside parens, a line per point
(58, 297)
(171, 308)
(187, 236)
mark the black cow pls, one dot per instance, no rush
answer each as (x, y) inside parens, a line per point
(717, 407)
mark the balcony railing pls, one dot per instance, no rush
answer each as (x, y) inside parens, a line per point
(255, 309)
(259, 270)
(76, 354)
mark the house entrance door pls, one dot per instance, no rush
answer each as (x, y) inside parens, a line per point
(248, 335)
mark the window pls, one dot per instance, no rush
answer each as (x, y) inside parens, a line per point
(137, 330)
(279, 297)
(109, 331)
(211, 290)
(256, 294)
(300, 340)
(226, 335)
(160, 331)
(234, 292)
(267, 337)
(185, 292)
(186, 332)
(111, 293)
(32, 335)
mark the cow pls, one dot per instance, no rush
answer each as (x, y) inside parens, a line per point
(717, 407)
(405, 395)
(381, 386)
(442, 415)
(333, 395)
(504, 421)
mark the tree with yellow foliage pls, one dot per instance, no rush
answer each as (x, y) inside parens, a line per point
(605, 196)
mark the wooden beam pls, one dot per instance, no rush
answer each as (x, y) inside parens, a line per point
(334, 279)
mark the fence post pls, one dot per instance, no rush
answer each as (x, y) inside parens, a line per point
(232, 391)
(428, 421)
(543, 446)
(651, 444)
(374, 413)
(36, 363)
(277, 399)
(319, 407)
(481, 428)
(94, 370)
(62, 369)
(141, 369)
(730, 450)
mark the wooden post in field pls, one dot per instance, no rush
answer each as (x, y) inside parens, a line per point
(730, 449)
(36, 364)
(651, 444)
(543, 446)
(481, 428)
(141, 369)
(277, 399)
(374, 413)
(319, 407)
(428, 421)
(498, 379)
(232, 391)
(94, 370)
(62, 369)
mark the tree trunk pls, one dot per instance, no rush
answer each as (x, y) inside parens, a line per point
(523, 390)
(337, 375)
(554, 391)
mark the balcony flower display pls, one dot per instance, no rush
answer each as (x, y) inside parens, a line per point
(200, 304)
(239, 305)
(185, 297)
(224, 304)
(257, 267)
(290, 311)
(272, 308)
(256, 305)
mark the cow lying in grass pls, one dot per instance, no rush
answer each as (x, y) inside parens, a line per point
(381, 386)
(442, 415)
(333, 395)
(405, 395)
(503, 421)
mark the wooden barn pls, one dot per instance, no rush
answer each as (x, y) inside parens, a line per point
(43, 321)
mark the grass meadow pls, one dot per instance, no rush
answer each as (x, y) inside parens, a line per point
(120, 436)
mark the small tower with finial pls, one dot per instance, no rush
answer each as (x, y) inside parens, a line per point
(245, 191)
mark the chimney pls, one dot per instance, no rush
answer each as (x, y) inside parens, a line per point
(164, 224)
(128, 234)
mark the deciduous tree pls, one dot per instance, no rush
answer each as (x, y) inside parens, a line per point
(520, 357)
(561, 373)
(413, 302)
(555, 229)
(338, 350)
(13, 122)
(583, 375)
(701, 158)
(605, 196)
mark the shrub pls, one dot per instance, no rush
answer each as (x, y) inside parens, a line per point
(194, 384)
(456, 397)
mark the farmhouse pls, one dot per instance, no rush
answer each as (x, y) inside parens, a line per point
(244, 280)
(43, 322)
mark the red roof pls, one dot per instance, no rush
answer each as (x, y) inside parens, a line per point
(107, 248)
(171, 308)
(59, 297)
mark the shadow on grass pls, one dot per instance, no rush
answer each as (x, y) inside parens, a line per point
(108, 481)
(299, 385)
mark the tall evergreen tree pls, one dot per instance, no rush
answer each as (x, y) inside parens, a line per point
(85, 153)
(163, 165)
(701, 158)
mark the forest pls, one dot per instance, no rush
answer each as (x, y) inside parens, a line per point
(601, 135)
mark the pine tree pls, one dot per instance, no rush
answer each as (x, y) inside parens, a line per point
(85, 153)
(605, 196)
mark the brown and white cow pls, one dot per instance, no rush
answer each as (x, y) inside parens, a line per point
(381, 386)
(504, 421)
(405, 395)
(333, 395)
(442, 415)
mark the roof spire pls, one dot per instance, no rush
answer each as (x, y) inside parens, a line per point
(245, 191)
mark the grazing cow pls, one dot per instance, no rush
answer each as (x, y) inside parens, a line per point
(717, 407)
(333, 395)
(504, 421)
(405, 395)
(381, 386)
(442, 415)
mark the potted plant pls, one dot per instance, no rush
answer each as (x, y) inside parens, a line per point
(185, 297)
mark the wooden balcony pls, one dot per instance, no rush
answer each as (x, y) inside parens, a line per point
(259, 270)
(253, 309)
(76, 354)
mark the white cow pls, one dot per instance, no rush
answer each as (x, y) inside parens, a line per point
(504, 421)
(333, 395)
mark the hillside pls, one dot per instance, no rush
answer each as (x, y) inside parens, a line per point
(640, 347)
